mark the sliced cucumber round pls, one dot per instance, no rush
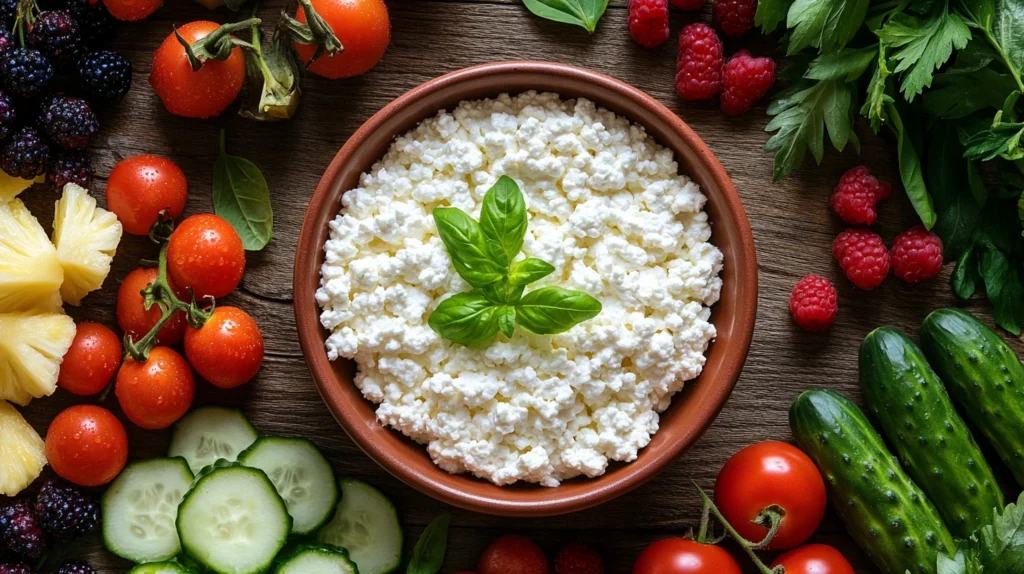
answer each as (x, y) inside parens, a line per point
(366, 524)
(209, 434)
(233, 521)
(140, 507)
(169, 567)
(317, 559)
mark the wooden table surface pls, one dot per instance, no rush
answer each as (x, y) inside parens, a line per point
(792, 227)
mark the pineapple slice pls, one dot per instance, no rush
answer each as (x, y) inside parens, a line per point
(11, 186)
(22, 452)
(29, 270)
(86, 237)
(32, 346)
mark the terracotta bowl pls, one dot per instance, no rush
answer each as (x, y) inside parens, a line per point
(692, 410)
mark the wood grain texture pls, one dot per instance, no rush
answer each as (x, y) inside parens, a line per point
(792, 226)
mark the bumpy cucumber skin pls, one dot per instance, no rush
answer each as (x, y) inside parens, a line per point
(984, 376)
(885, 512)
(907, 399)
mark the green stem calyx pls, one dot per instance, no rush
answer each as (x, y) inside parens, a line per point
(217, 45)
(273, 77)
(770, 518)
(315, 30)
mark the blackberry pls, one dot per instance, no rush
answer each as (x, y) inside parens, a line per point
(56, 34)
(94, 20)
(26, 154)
(69, 121)
(15, 568)
(25, 72)
(20, 531)
(69, 167)
(8, 115)
(64, 511)
(105, 75)
(77, 567)
(8, 13)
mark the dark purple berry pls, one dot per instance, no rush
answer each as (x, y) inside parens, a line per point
(55, 33)
(94, 20)
(15, 568)
(105, 75)
(25, 72)
(8, 115)
(64, 511)
(8, 13)
(78, 567)
(5, 38)
(70, 167)
(20, 530)
(26, 154)
(69, 121)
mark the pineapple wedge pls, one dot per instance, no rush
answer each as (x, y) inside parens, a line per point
(32, 346)
(29, 270)
(86, 237)
(22, 452)
(11, 186)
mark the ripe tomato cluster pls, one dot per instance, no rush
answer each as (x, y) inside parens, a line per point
(158, 308)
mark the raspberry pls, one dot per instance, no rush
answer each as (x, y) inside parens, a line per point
(65, 512)
(15, 568)
(734, 17)
(745, 79)
(77, 567)
(25, 72)
(8, 115)
(688, 5)
(94, 20)
(69, 121)
(20, 532)
(699, 63)
(862, 256)
(916, 255)
(26, 154)
(70, 167)
(56, 34)
(105, 75)
(856, 194)
(813, 303)
(648, 22)
(576, 558)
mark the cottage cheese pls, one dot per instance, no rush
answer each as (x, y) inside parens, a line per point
(607, 208)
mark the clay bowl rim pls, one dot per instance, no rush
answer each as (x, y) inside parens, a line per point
(389, 448)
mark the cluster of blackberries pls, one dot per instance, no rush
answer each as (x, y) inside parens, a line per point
(59, 513)
(47, 84)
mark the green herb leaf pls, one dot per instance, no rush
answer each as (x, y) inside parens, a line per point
(503, 220)
(910, 171)
(979, 13)
(465, 318)
(552, 310)
(847, 64)
(802, 113)
(771, 13)
(428, 555)
(824, 24)
(1006, 29)
(878, 98)
(465, 242)
(1000, 140)
(529, 270)
(1003, 284)
(503, 293)
(241, 196)
(957, 94)
(949, 182)
(1020, 209)
(922, 45)
(582, 13)
(507, 320)
(1001, 544)
(966, 276)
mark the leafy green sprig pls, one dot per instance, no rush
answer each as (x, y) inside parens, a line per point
(483, 253)
(993, 549)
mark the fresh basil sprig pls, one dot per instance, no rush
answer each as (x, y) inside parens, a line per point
(428, 555)
(483, 254)
(241, 196)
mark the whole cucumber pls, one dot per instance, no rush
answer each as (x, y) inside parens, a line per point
(984, 376)
(937, 450)
(885, 512)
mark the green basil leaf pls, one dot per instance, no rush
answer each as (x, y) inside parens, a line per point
(467, 247)
(1003, 284)
(507, 320)
(910, 171)
(552, 310)
(503, 293)
(582, 13)
(428, 555)
(503, 220)
(465, 318)
(965, 276)
(241, 196)
(529, 270)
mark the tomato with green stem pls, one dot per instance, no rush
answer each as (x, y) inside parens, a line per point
(362, 27)
(814, 559)
(86, 445)
(205, 254)
(227, 350)
(136, 320)
(91, 361)
(156, 392)
(141, 187)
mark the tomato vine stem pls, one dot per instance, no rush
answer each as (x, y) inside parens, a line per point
(770, 517)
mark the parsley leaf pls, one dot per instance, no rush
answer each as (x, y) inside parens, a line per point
(847, 64)
(922, 45)
(910, 170)
(1001, 544)
(951, 186)
(1006, 29)
(1002, 139)
(878, 98)
(771, 13)
(825, 24)
(802, 113)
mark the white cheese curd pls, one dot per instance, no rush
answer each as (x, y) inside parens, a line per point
(607, 207)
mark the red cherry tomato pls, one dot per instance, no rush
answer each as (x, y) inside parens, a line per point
(91, 361)
(228, 350)
(133, 317)
(683, 556)
(362, 26)
(158, 392)
(195, 94)
(770, 473)
(86, 445)
(132, 10)
(814, 559)
(140, 187)
(513, 554)
(205, 254)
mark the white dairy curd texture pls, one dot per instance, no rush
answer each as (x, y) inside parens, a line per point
(607, 208)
